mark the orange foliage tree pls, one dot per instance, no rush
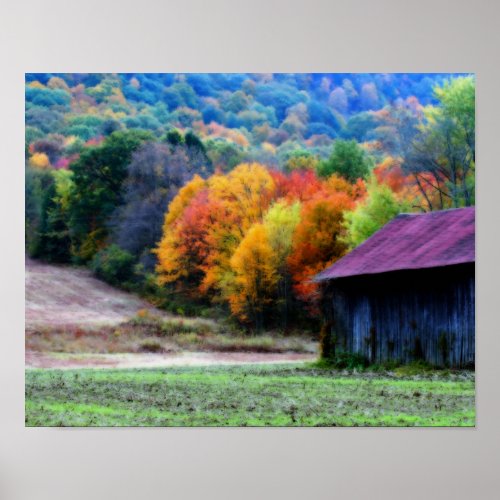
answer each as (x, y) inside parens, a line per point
(299, 185)
(415, 191)
(179, 252)
(318, 239)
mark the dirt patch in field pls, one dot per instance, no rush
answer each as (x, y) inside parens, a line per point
(66, 295)
(68, 361)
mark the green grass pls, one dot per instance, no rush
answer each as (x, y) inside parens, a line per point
(264, 395)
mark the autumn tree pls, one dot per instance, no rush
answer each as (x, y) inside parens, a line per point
(39, 161)
(183, 250)
(317, 243)
(391, 173)
(238, 200)
(299, 185)
(179, 252)
(204, 225)
(255, 278)
(280, 223)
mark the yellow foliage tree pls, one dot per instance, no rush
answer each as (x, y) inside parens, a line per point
(237, 201)
(255, 278)
(36, 85)
(39, 160)
(280, 223)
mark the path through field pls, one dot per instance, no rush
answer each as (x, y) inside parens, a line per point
(132, 360)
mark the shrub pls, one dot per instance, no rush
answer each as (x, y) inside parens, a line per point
(346, 361)
(156, 325)
(172, 327)
(113, 265)
(150, 345)
(418, 367)
(187, 340)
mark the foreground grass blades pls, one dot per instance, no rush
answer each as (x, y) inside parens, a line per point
(246, 396)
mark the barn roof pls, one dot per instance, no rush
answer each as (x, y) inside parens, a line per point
(411, 241)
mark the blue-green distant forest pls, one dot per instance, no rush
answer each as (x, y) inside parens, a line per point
(240, 117)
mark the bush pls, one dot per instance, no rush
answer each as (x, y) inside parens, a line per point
(113, 265)
(418, 367)
(156, 325)
(182, 306)
(150, 345)
(346, 361)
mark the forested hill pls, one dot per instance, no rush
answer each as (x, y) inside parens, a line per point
(236, 189)
(240, 117)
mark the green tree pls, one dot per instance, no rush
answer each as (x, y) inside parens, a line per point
(37, 183)
(348, 160)
(174, 137)
(49, 234)
(224, 154)
(378, 208)
(98, 176)
(114, 265)
(194, 142)
(300, 159)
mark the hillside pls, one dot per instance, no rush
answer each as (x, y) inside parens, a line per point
(70, 296)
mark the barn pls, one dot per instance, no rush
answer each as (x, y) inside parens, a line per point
(406, 293)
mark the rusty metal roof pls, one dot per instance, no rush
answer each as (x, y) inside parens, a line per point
(411, 241)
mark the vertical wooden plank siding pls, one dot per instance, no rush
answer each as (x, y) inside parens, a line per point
(406, 315)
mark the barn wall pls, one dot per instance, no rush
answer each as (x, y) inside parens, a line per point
(406, 315)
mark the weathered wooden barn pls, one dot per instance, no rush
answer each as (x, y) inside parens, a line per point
(407, 292)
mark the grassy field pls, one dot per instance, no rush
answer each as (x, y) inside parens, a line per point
(292, 395)
(159, 335)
